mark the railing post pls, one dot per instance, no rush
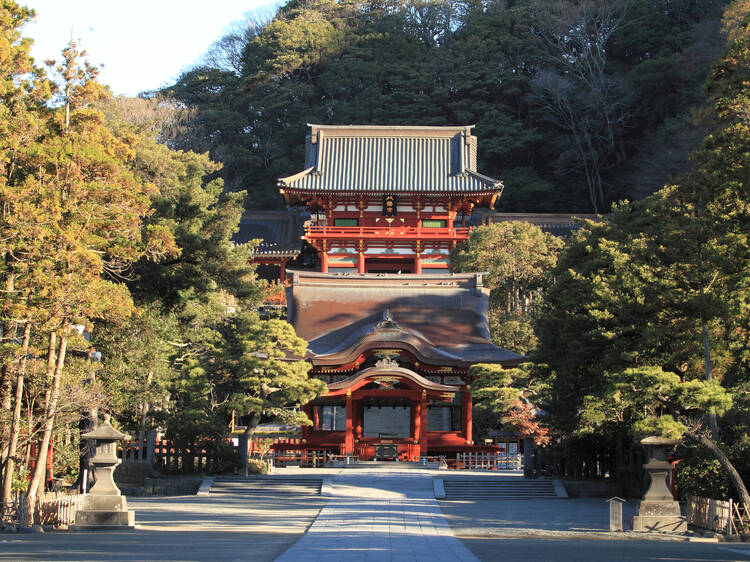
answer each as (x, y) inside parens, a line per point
(730, 520)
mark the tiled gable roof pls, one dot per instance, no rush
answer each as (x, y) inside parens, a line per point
(391, 159)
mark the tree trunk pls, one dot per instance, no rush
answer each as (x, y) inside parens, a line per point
(6, 381)
(40, 466)
(5, 387)
(88, 422)
(247, 435)
(707, 354)
(144, 416)
(51, 360)
(15, 425)
(29, 424)
(734, 476)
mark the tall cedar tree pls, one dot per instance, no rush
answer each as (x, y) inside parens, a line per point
(72, 223)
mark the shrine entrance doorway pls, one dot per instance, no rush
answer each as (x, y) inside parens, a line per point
(386, 421)
(386, 415)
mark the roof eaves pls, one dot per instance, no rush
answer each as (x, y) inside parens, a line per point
(296, 177)
(498, 184)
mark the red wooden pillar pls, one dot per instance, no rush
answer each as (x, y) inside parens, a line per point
(349, 438)
(417, 423)
(324, 262)
(412, 419)
(282, 276)
(418, 263)
(423, 423)
(307, 409)
(361, 262)
(466, 415)
(359, 415)
(316, 417)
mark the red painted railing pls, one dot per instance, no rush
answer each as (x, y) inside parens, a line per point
(407, 232)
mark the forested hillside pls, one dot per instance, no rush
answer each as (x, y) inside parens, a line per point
(577, 103)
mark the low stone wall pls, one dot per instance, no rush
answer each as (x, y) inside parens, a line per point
(186, 486)
(140, 479)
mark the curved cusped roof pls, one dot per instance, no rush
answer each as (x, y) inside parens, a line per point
(441, 319)
(372, 374)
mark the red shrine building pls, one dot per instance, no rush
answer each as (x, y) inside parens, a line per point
(388, 199)
(390, 329)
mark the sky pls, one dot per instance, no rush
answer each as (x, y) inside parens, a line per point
(141, 44)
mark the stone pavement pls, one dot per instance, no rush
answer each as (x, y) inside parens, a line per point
(383, 514)
(243, 527)
(380, 514)
(577, 517)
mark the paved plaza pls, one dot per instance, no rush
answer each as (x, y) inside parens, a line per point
(371, 514)
(377, 514)
(181, 528)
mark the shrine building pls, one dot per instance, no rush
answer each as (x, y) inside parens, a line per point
(388, 199)
(390, 329)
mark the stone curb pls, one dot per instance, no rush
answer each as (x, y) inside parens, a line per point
(593, 535)
(326, 488)
(560, 489)
(205, 488)
(439, 488)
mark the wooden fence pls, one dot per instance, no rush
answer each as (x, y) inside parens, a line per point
(57, 509)
(136, 450)
(171, 458)
(726, 517)
(487, 461)
(177, 458)
(304, 458)
(51, 508)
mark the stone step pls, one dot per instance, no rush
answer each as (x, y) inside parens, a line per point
(262, 485)
(386, 465)
(499, 489)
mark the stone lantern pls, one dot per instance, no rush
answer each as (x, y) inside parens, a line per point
(658, 511)
(104, 507)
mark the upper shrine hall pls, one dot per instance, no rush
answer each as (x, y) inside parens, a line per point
(387, 199)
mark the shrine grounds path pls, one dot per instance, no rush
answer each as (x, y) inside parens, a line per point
(372, 514)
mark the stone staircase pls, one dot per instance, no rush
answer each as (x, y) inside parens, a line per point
(269, 485)
(501, 489)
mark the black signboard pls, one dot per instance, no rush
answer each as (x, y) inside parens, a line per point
(390, 207)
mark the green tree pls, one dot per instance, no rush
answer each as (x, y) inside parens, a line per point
(260, 364)
(72, 225)
(23, 91)
(503, 398)
(654, 401)
(139, 365)
(663, 284)
(200, 280)
(518, 257)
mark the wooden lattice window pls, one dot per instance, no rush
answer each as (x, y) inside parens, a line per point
(434, 223)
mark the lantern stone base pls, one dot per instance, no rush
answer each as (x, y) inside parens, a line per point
(104, 513)
(660, 517)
